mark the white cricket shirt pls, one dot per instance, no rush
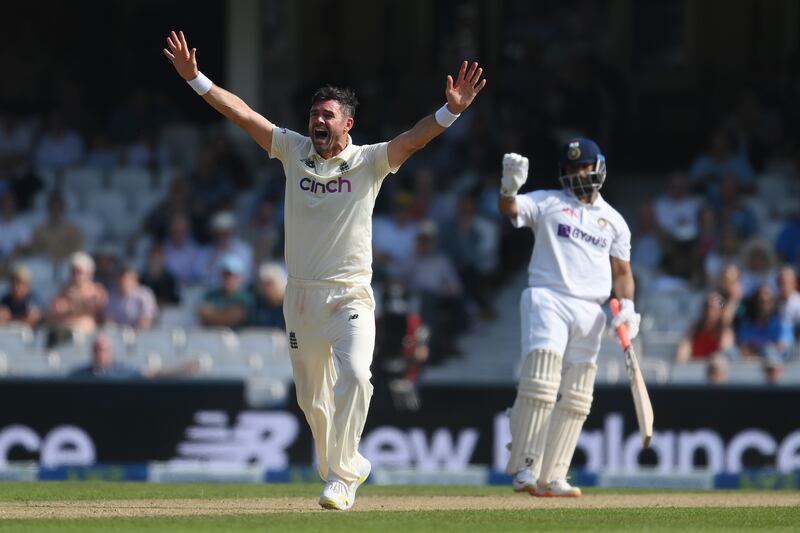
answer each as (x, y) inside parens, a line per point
(328, 211)
(573, 242)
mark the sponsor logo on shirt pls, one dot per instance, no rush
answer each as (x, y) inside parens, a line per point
(570, 232)
(570, 211)
(332, 186)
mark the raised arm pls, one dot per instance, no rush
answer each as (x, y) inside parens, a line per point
(459, 93)
(184, 59)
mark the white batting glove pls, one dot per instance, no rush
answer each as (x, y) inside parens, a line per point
(515, 173)
(627, 315)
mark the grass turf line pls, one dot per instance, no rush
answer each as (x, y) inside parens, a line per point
(648, 519)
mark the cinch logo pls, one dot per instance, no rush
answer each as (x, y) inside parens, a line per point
(565, 230)
(332, 186)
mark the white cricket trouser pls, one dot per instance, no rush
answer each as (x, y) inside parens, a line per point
(563, 324)
(331, 329)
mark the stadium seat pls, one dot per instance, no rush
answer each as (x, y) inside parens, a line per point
(131, 181)
(216, 342)
(690, 373)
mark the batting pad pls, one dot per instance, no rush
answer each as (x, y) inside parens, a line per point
(536, 395)
(567, 420)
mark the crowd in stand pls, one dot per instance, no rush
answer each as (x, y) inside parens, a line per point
(730, 228)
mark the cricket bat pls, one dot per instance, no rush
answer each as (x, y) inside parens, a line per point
(641, 400)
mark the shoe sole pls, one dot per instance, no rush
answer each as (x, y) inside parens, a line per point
(331, 505)
(528, 490)
(552, 495)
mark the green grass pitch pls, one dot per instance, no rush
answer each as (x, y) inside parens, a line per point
(85, 498)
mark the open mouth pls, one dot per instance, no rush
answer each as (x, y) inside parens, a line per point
(320, 134)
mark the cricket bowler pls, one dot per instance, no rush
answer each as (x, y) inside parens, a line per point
(331, 187)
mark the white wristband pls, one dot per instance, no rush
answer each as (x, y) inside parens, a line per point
(444, 117)
(201, 84)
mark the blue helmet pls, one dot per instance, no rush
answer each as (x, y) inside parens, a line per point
(582, 152)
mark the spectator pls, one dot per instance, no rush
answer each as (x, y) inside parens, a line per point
(103, 365)
(758, 266)
(472, 245)
(789, 299)
(393, 237)
(56, 238)
(264, 232)
(225, 243)
(184, 258)
(146, 153)
(762, 334)
(131, 304)
(730, 288)
(20, 304)
(731, 209)
(709, 336)
(16, 143)
(107, 265)
(721, 158)
(433, 277)
(717, 370)
(677, 212)
(102, 155)
(15, 235)
(212, 188)
(160, 280)
(159, 221)
(228, 305)
(646, 253)
(59, 147)
(725, 251)
(80, 306)
(267, 309)
(788, 243)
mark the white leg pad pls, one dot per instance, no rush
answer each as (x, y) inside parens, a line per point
(536, 395)
(569, 414)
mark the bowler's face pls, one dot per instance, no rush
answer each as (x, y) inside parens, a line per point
(328, 125)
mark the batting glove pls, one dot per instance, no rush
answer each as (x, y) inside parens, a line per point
(628, 316)
(515, 173)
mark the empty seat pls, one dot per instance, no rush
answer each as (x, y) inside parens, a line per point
(217, 342)
(131, 180)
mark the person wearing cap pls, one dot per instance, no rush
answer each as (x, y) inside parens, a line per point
(226, 243)
(268, 292)
(229, 304)
(433, 277)
(20, 304)
(80, 305)
(582, 249)
(331, 188)
(131, 304)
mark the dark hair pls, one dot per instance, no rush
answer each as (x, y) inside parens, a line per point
(346, 98)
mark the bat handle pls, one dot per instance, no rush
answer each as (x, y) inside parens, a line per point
(622, 329)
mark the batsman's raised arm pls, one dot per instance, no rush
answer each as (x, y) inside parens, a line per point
(515, 174)
(460, 92)
(184, 59)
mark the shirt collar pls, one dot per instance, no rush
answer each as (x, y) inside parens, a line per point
(344, 155)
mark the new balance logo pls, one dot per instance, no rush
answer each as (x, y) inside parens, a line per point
(292, 340)
(353, 317)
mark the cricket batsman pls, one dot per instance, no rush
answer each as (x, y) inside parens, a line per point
(331, 187)
(569, 277)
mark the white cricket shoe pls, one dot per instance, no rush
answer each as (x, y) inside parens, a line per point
(336, 496)
(524, 482)
(558, 488)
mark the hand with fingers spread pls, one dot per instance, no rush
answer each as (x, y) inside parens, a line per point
(183, 58)
(462, 91)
